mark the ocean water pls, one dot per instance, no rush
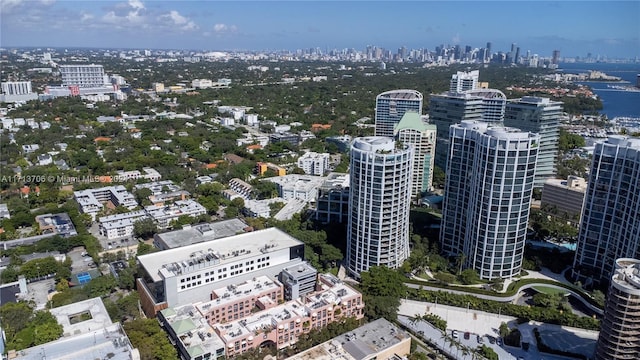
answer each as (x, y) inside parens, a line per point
(615, 102)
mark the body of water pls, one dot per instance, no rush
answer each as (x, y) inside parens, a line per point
(616, 102)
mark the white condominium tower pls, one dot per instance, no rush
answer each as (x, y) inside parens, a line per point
(489, 181)
(84, 76)
(391, 105)
(463, 81)
(411, 130)
(619, 337)
(610, 225)
(542, 116)
(379, 199)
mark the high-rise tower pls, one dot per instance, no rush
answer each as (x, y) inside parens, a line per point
(542, 116)
(619, 336)
(411, 130)
(489, 182)
(610, 224)
(379, 199)
(486, 105)
(463, 81)
(84, 76)
(391, 105)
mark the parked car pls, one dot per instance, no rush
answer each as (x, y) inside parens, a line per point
(479, 339)
(467, 335)
(454, 333)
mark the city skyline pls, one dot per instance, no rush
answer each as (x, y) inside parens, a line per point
(575, 28)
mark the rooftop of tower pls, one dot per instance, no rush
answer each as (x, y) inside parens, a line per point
(623, 141)
(404, 94)
(413, 120)
(627, 275)
(500, 132)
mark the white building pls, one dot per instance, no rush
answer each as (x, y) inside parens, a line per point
(84, 76)
(147, 173)
(489, 183)
(164, 215)
(251, 119)
(411, 130)
(16, 87)
(313, 163)
(463, 81)
(91, 200)
(294, 186)
(120, 225)
(188, 274)
(201, 83)
(379, 200)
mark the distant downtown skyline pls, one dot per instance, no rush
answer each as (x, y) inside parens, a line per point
(576, 28)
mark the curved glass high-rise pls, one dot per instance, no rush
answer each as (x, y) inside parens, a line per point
(391, 105)
(610, 222)
(489, 183)
(379, 200)
(619, 336)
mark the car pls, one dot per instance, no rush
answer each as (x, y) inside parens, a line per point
(492, 340)
(499, 341)
(467, 335)
(454, 333)
(479, 339)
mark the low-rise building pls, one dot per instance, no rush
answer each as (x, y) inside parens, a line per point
(187, 274)
(564, 198)
(262, 167)
(59, 224)
(294, 186)
(195, 234)
(91, 201)
(163, 192)
(147, 173)
(120, 225)
(379, 339)
(163, 215)
(4, 212)
(241, 188)
(313, 163)
(88, 333)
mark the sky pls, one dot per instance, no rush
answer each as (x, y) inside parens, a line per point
(576, 28)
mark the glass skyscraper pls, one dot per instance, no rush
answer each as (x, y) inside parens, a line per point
(610, 224)
(411, 130)
(379, 200)
(488, 188)
(391, 105)
(542, 116)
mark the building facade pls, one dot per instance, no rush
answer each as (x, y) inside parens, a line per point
(379, 200)
(619, 336)
(332, 203)
(313, 163)
(610, 225)
(486, 105)
(391, 106)
(411, 130)
(84, 76)
(564, 198)
(542, 116)
(16, 87)
(464, 81)
(489, 183)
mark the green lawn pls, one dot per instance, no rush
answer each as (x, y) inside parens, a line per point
(548, 290)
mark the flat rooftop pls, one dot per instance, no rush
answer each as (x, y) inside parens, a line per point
(201, 233)
(233, 293)
(69, 316)
(230, 249)
(193, 331)
(364, 341)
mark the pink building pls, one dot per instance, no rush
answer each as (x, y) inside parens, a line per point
(282, 324)
(239, 301)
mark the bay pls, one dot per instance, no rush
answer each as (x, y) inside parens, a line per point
(615, 102)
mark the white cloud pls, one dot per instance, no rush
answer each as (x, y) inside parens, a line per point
(183, 22)
(224, 28)
(7, 6)
(136, 4)
(86, 17)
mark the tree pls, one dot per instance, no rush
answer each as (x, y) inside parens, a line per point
(147, 336)
(504, 329)
(383, 288)
(144, 228)
(469, 276)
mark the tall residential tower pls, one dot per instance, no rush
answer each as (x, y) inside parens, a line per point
(391, 105)
(619, 336)
(489, 182)
(610, 225)
(411, 130)
(379, 199)
(542, 116)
